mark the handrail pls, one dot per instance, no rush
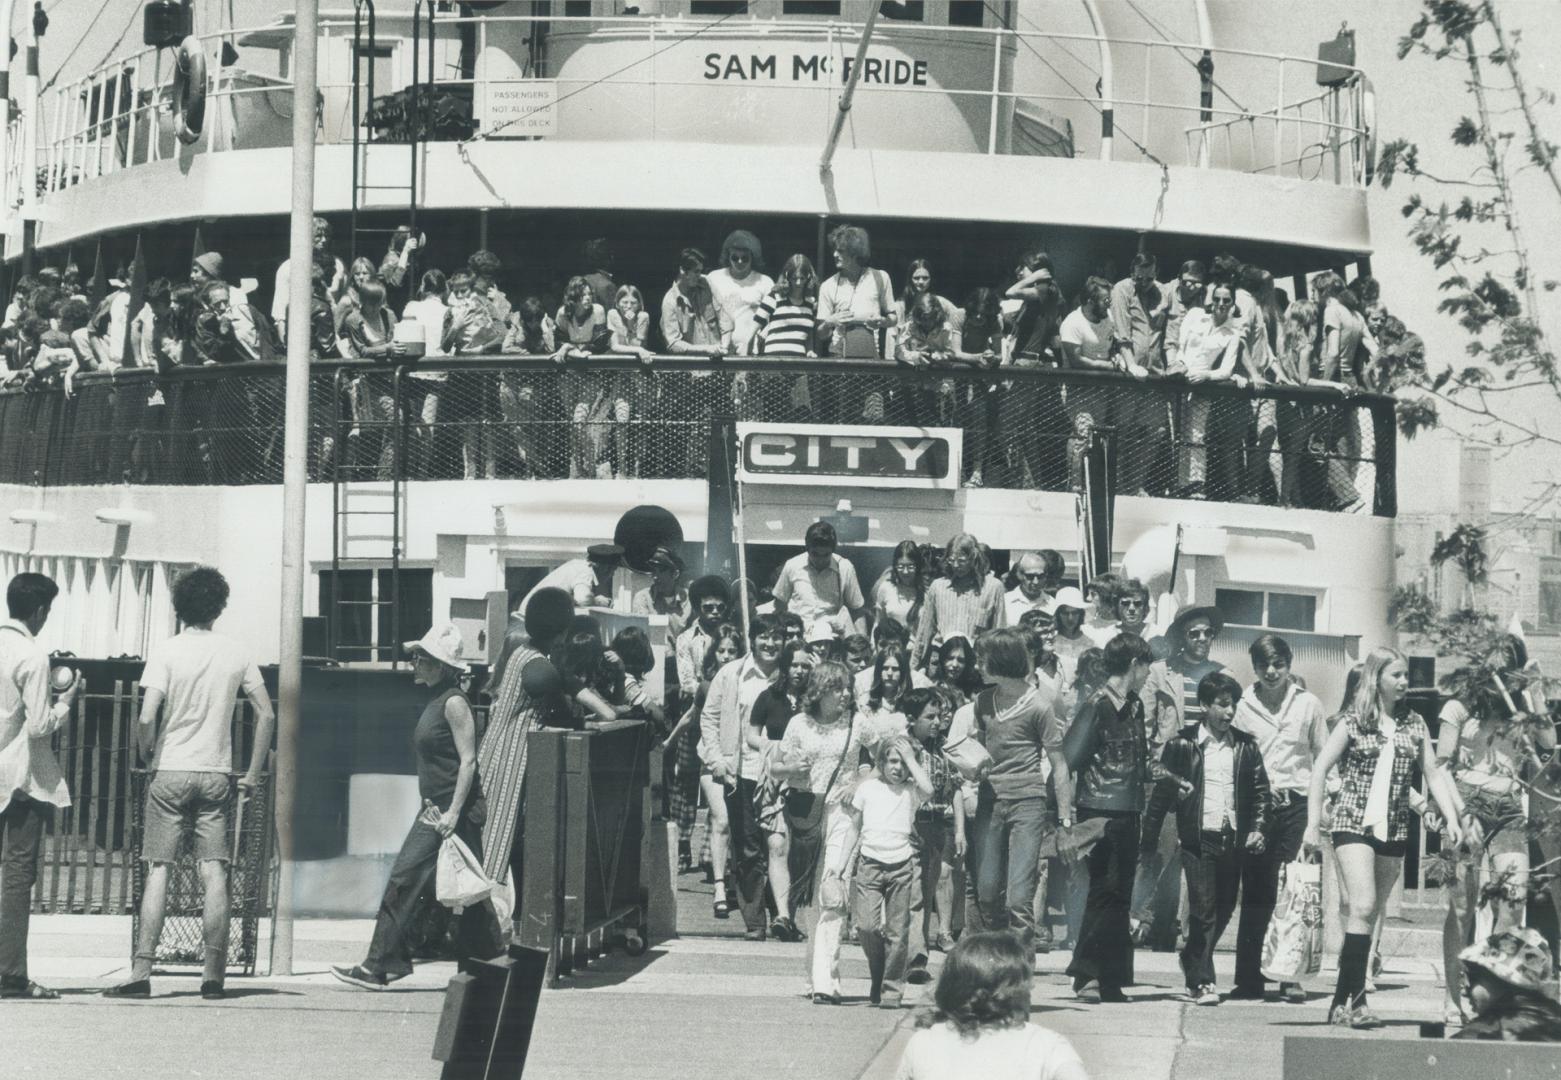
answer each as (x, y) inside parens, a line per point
(83, 149)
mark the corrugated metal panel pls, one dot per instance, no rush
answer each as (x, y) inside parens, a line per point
(1322, 660)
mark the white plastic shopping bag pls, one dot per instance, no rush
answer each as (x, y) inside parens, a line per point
(1293, 946)
(459, 882)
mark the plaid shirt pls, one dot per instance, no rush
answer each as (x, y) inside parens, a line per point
(1360, 762)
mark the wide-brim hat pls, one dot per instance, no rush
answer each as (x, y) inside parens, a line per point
(1176, 632)
(441, 643)
(821, 630)
(1519, 957)
(211, 262)
(604, 551)
(1068, 596)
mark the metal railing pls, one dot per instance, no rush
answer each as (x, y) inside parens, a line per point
(494, 417)
(119, 115)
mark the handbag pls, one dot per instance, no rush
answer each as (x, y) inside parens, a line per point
(804, 813)
(1293, 945)
(969, 755)
(459, 882)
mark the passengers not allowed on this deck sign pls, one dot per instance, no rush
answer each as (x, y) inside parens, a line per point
(845, 455)
(519, 109)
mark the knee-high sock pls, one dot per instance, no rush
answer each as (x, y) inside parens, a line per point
(1353, 957)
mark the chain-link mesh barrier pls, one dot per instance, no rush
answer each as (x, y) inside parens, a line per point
(496, 418)
(249, 879)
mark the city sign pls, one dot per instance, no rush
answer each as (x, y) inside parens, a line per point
(846, 455)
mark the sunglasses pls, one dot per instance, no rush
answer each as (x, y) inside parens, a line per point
(712, 606)
(1041, 577)
(1135, 605)
(1204, 634)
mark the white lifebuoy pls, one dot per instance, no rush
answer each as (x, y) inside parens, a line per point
(1368, 124)
(189, 90)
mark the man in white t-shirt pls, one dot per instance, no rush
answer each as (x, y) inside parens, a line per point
(193, 679)
(1090, 342)
(1034, 587)
(819, 584)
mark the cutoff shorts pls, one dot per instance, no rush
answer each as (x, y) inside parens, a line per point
(1388, 849)
(176, 801)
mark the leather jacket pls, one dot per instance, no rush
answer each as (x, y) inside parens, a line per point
(1183, 759)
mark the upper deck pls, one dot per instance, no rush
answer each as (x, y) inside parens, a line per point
(597, 112)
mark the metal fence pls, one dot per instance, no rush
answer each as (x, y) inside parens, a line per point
(531, 418)
(89, 859)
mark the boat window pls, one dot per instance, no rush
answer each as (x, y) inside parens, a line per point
(966, 12)
(905, 11)
(810, 7)
(718, 7)
(1274, 610)
(577, 9)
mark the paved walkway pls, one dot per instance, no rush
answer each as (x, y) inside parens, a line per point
(704, 1005)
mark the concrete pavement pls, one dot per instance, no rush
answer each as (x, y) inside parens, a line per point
(704, 1005)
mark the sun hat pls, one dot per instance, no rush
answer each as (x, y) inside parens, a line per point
(211, 262)
(1069, 596)
(441, 643)
(1518, 957)
(821, 630)
(1176, 632)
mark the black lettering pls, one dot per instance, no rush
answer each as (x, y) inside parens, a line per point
(764, 65)
(872, 70)
(804, 65)
(902, 72)
(919, 73)
(845, 68)
(734, 66)
(712, 65)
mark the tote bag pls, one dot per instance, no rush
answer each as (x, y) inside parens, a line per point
(1293, 946)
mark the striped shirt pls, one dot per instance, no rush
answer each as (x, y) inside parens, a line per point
(784, 328)
(948, 611)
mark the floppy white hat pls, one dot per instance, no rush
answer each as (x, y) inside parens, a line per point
(442, 643)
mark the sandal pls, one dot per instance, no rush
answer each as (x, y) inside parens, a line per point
(722, 909)
(27, 990)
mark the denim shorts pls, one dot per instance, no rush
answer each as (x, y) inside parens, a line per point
(1388, 849)
(176, 801)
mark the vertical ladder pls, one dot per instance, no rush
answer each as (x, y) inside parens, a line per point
(363, 505)
(376, 186)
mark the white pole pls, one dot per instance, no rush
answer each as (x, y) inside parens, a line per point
(295, 458)
(7, 13)
(850, 91)
(1107, 83)
(30, 124)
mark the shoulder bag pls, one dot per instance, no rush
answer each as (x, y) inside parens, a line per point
(969, 755)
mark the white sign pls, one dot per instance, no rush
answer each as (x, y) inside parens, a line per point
(519, 110)
(846, 455)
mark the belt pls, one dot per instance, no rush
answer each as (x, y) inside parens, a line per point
(1286, 796)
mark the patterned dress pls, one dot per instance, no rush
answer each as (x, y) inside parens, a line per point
(501, 760)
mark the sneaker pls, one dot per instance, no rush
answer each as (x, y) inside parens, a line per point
(1088, 993)
(1206, 995)
(1293, 993)
(356, 975)
(212, 990)
(139, 989)
(1363, 1019)
(918, 975)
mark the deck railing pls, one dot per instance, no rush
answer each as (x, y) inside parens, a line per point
(495, 417)
(1279, 123)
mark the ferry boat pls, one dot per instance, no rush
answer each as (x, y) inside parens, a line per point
(975, 131)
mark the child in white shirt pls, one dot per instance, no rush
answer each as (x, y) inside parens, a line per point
(885, 807)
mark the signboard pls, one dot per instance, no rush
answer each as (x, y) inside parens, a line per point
(525, 109)
(796, 66)
(845, 455)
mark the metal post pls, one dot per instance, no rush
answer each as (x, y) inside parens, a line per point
(1279, 122)
(294, 473)
(1205, 77)
(7, 12)
(35, 28)
(1107, 83)
(850, 91)
(997, 88)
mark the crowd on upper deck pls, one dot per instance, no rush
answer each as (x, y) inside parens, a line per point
(1215, 322)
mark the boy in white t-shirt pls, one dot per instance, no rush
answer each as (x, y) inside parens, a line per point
(885, 807)
(192, 680)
